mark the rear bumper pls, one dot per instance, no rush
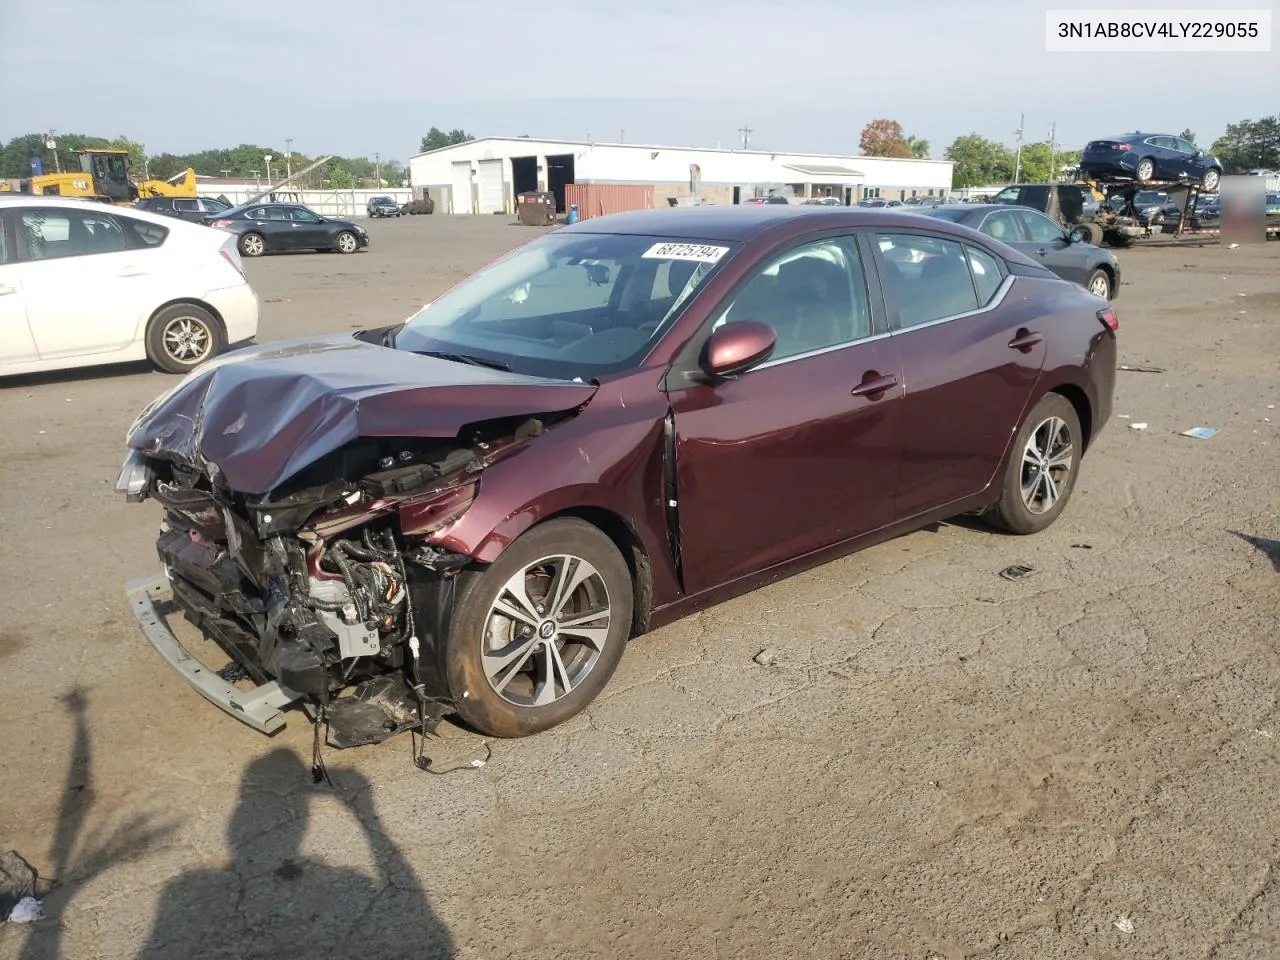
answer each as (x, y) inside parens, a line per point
(239, 308)
(261, 708)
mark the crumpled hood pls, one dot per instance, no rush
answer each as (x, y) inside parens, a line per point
(261, 414)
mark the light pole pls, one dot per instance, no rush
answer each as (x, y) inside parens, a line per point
(267, 160)
(1053, 130)
(51, 142)
(288, 158)
(377, 170)
(1017, 164)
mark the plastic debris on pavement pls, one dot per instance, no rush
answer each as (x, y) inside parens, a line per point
(1123, 924)
(1019, 571)
(766, 657)
(28, 910)
(17, 887)
(1137, 426)
(1200, 433)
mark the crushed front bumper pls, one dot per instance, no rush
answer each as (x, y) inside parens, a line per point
(261, 708)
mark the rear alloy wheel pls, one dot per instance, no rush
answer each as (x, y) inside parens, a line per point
(183, 336)
(252, 245)
(537, 635)
(1099, 284)
(1042, 468)
(346, 242)
(1211, 180)
(1146, 169)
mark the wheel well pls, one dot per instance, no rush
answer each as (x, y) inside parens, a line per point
(192, 301)
(1077, 398)
(629, 545)
(1110, 272)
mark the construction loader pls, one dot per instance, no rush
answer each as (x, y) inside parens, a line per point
(104, 176)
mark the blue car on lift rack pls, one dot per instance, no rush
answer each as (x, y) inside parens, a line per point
(1149, 157)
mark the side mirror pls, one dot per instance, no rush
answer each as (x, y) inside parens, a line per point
(737, 347)
(1077, 235)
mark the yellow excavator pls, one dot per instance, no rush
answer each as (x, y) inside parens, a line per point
(104, 176)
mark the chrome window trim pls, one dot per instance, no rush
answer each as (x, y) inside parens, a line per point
(820, 351)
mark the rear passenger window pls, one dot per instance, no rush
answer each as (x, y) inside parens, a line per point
(53, 234)
(926, 278)
(986, 274)
(144, 234)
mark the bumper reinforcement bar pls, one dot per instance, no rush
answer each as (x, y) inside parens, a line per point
(261, 708)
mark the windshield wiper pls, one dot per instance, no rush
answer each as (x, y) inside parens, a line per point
(464, 358)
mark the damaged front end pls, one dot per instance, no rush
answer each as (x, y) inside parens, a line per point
(327, 590)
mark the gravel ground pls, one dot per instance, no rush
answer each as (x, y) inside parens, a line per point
(941, 763)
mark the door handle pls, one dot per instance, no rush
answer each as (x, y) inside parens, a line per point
(1043, 252)
(1025, 339)
(873, 383)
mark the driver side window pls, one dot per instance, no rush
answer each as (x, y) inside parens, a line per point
(1041, 229)
(814, 297)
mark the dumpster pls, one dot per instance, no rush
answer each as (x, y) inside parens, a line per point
(536, 208)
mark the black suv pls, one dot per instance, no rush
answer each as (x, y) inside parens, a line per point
(184, 208)
(383, 207)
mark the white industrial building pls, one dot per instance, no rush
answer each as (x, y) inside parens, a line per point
(485, 176)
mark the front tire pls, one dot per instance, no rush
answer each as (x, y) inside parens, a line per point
(1099, 284)
(1211, 180)
(1146, 169)
(346, 242)
(1042, 468)
(183, 336)
(252, 245)
(537, 635)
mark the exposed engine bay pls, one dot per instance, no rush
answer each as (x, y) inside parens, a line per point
(328, 585)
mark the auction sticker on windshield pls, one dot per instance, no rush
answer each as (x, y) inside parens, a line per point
(698, 252)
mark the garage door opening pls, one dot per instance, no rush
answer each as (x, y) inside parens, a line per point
(559, 173)
(524, 176)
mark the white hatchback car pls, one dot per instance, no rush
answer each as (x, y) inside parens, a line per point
(85, 283)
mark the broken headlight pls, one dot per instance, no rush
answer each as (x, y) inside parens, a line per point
(135, 477)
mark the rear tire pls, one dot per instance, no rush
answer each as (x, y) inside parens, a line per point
(1146, 169)
(515, 665)
(1094, 234)
(1042, 468)
(183, 336)
(252, 245)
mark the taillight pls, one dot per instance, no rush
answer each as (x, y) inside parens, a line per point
(1122, 147)
(1109, 319)
(220, 223)
(234, 260)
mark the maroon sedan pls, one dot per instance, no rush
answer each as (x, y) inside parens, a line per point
(617, 424)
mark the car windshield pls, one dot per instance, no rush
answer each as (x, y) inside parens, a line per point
(1149, 197)
(568, 305)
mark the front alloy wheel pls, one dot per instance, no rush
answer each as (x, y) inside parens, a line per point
(546, 631)
(346, 242)
(535, 636)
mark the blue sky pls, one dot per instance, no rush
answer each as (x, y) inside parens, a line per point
(805, 75)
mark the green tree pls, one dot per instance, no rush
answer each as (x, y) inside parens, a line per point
(339, 177)
(919, 148)
(883, 138)
(1188, 134)
(979, 161)
(437, 139)
(1249, 145)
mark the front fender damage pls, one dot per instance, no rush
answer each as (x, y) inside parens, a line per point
(328, 589)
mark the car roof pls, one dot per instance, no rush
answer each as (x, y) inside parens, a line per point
(743, 222)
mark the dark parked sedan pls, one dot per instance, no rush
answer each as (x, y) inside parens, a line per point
(620, 423)
(1041, 239)
(1146, 156)
(275, 227)
(184, 208)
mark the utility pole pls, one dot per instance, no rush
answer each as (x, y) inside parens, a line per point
(377, 169)
(288, 157)
(1017, 163)
(622, 136)
(1053, 173)
(746, 132)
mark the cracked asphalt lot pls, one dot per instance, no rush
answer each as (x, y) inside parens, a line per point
(940, 763)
